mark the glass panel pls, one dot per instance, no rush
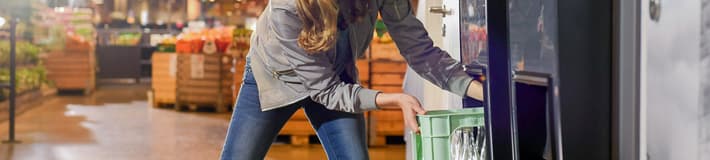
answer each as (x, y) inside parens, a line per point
(474, 35)
(474, 41)
(533, 49)
(533, 35)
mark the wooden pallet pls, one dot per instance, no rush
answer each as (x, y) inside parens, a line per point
(71, 70)
(164, 78)
(385, 123)
(213, 88)
(298, 128)
(197, 106)
(158, 104)
(387, 71)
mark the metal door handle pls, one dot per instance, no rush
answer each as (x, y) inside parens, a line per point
(440, 10)
(654, 9)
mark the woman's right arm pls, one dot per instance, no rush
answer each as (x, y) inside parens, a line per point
(316, 74)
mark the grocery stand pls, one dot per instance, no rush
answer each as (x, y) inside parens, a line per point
(204, 80)
(72, 66)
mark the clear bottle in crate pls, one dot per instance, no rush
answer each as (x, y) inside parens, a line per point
(468, 143)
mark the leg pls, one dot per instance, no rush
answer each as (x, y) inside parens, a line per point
(342, 134)
(252, 131)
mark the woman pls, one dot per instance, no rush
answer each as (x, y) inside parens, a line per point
(302, 56)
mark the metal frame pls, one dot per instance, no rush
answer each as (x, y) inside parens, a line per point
(12, 85)
(552, 109)
(626, 80)
(585, 35)
(501, 138)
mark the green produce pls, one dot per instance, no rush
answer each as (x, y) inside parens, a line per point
(27, 78)
(241, 32)
(128, 39)
(26, 53)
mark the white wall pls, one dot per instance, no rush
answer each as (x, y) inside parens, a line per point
(671, 82)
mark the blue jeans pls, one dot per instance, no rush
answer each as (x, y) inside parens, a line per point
(251, 131)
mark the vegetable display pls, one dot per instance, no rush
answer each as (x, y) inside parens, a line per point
(26, 53)
(27, 79)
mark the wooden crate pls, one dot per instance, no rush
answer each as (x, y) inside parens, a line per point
(388, 89)
(363, 67)
(389, 67)
(385, 123)
(211, 89)
(387, 73)
(164, 78)
(298, 128)
(71, 71)
(238, 69)
(385, 51)
(387, 79)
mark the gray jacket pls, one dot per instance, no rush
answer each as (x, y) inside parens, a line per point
(286, 74)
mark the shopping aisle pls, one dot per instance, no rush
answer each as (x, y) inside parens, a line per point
(116, 123)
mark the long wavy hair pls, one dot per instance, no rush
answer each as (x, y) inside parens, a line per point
(320, 21)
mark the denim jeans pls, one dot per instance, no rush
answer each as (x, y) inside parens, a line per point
(251, 131)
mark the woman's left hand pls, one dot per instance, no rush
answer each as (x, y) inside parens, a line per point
(409, 104)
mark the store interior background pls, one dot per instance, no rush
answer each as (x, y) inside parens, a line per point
(96, 77)
(116, 79)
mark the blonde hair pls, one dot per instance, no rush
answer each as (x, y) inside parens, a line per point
(320, 25)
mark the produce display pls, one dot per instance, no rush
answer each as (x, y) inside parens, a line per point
(167, 45)
(80, 23)
(241, 42)
(29, 74)
(27, 79)
(127, 39)
(222, 40)
(26, 53)
(77, 43)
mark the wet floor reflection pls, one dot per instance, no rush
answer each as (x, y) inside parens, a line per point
(117, 123)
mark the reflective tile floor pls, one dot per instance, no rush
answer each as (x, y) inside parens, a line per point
(116, 122)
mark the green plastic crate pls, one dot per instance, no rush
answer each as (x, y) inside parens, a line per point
(436, 127)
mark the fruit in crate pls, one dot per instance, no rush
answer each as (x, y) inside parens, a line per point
(167, 45)
(169, 40)
(76, 42)
(128, 39)
(210, 47)
(183, 46)
(232, 49)
(386, 38)
(241, 32)
(223, 43)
